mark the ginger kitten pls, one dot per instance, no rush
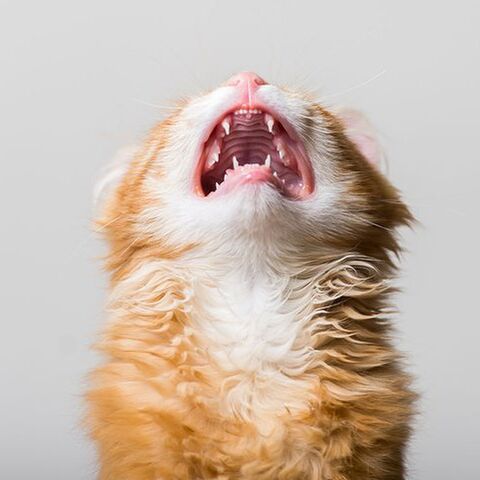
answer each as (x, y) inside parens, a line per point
(251, 248)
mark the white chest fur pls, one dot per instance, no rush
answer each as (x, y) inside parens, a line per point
(254, 326)
(247, 318)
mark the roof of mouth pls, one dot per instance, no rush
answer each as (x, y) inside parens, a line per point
(255, 138)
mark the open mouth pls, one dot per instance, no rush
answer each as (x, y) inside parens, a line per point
(249, 146)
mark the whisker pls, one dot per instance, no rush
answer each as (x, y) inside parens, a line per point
(355, 87)
(156, 106)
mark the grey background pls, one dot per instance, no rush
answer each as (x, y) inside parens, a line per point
(81, 79)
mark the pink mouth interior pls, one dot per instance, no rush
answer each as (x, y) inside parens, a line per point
(251, 146)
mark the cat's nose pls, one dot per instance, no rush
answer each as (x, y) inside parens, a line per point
(246, 80)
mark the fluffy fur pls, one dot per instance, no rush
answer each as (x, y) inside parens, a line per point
(248, 337)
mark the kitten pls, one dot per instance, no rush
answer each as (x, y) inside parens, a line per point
(251, 248)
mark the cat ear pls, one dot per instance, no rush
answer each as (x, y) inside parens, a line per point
(111, 176)
(362, 134)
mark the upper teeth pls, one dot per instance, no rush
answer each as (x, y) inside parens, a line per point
(226, 126)
(244, 111)
(268, 161)
(270, 122)
(235, 162)
(213, 159)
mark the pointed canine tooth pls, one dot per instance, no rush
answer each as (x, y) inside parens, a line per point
(216, 185)
(226, 126)
(235, 162)
(270, 122)
(275, 174)
(213, 159)
(268, 161)
(281, 153)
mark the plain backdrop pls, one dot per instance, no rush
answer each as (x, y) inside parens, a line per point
(79, 80)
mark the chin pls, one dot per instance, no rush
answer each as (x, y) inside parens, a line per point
(252, 249)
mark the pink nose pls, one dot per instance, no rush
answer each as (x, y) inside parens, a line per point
(247, 80)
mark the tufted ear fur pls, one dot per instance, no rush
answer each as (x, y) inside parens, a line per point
(111, 176)
(362, 134)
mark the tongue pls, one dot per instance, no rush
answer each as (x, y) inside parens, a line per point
(244, 175)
